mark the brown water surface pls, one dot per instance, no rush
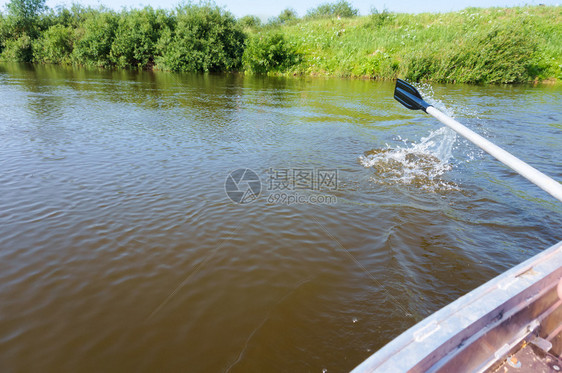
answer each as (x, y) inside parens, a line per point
(120, 250)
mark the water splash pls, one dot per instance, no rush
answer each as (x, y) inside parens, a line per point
(419, 164)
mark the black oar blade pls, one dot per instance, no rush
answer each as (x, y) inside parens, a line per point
(409, 96)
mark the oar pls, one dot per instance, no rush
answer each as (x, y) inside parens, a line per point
(409, 96)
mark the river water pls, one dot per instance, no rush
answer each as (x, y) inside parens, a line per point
(345, 220)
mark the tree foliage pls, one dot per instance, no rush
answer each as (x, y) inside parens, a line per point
(25, 14)
(249, 22)
(341, 9)
(288, 15)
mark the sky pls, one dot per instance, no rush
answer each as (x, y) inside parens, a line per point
(265, 9)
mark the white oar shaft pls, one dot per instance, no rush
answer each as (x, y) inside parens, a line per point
(544, 182)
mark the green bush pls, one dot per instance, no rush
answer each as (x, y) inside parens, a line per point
(136, 36)
(249, 22)
(55, 45)
(288, 15)
(95, 38)
(269, 52)
(205, 38)
(18, 49)
(341, 9)
(378, 19)
(4, 32)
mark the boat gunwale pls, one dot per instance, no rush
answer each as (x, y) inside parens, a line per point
(416, 344)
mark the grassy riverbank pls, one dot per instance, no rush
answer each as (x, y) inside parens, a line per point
(494, 45)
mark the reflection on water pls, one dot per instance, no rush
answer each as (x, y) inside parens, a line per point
(120, 250)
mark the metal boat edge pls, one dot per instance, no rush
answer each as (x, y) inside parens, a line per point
(480, 329)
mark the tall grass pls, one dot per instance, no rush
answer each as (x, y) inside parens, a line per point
(493, 45)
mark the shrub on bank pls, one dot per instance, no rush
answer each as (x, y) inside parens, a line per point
(54, 45)
(341, 9)
(288, 15)
(18, 49)
(269, 52)
(4, 32)
(378, 19)
(204, 38)
(94, 39)
(249, 22)
(136, 36)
